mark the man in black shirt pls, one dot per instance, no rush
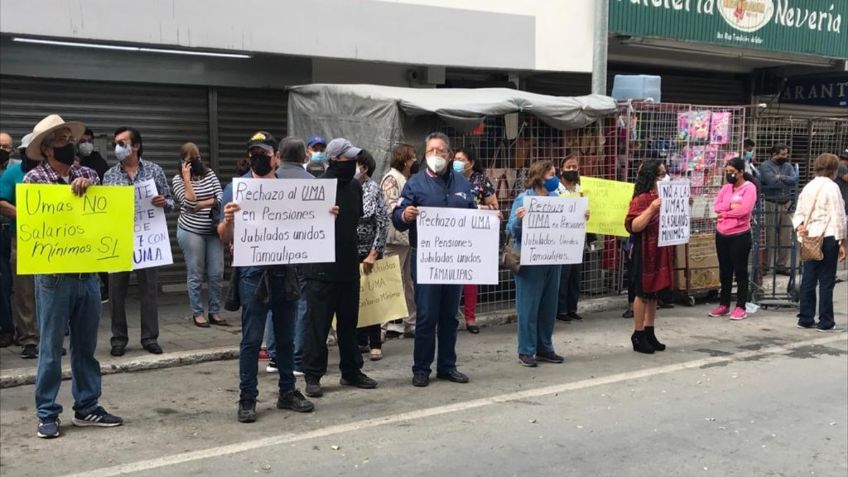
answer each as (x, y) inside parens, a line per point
(333, 288)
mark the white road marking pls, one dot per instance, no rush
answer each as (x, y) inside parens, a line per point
(288, 438)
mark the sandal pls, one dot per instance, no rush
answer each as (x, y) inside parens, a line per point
(200, 324)
(217, 321)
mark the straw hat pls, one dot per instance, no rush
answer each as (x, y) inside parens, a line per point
(44, 128)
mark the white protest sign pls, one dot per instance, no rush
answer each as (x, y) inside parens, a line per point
(674, 212)
(457, 246)
(554, 230)
(284, 221)
(152, 244)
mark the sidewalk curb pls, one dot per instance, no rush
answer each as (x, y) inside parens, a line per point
(24, 376)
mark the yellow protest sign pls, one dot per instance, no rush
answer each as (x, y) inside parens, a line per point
(59, 232)
(381, 297)
(608, 204)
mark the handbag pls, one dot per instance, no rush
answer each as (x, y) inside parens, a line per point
(811, 247)
(510, 258)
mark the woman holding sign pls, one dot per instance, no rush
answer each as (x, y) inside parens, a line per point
(733, 206)
(652, 265)
(537, 286)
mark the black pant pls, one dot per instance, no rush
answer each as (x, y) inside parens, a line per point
(370, 336)
(569, 288)
(148, 289)
(325, 299)
(733, 254)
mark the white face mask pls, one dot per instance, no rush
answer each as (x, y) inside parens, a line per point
(667, 178)
(437, 164)
(86, 148)
(122, 152)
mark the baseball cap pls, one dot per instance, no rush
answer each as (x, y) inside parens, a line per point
(342, 147)
(316, 140)
(25, 141)
(264, 140)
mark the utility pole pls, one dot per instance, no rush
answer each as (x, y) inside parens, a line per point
(599, 47)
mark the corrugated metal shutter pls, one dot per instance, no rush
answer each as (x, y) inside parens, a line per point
(241, 112)
(165, 115)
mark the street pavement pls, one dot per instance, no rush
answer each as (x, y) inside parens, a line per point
(756, 397)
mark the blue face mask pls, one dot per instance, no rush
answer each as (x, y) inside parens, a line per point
(319, 156)
(459, 166)
(747, 155)
(551, 184)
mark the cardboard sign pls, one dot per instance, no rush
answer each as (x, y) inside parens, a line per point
(457, 246)
(59, 232)
(674, 212)
(608, 204)
(284, 221)
(152, 243)
(381, 296)
(554, 230)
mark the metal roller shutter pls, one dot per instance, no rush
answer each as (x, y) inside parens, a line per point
(165, 115)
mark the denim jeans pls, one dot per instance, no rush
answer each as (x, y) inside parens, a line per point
(7, 326)
(270, 339)
(204, 258)
(299, 329)
(254, 314)
(822, 273)
(436, 307)
(536, 297)
(64, 299)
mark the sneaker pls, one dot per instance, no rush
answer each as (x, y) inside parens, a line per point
(832, 329)
(30, 351)
(805, 326)
(247, 410)
(720, 310)
(272, 366)
(627, 313)
(97, 418)
(313, 386)
(527, 360)
(359, 380)
(550, 357)
(48, 429)
(375, 354)
(298, 372)
(738, 314)
(263, 354)
(294, 401)
(6, 340)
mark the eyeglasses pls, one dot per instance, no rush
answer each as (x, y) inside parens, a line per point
(439, 151)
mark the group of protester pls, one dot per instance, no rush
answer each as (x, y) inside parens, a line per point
(292, 307)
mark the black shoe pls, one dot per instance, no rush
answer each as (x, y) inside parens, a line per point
(247, 410)
(313, 386)
(118, 350)
(574, 316)
(454, 377)
(364, 349)
(563, 317)
(527, 360)
(358, 380)
(420, 380)
(473, 329)
(153, 348)
(294, 401)
(627, 314)
(6, 340)
(97, 418)
(30, 351)
(652, 339)
(550, 357)
(409, 334)
(640, 343)
(806, 326)
(782, 271)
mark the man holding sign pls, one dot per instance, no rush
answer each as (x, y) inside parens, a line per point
(436, 304)
(65, 299)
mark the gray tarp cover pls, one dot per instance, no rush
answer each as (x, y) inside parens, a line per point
(377, 117)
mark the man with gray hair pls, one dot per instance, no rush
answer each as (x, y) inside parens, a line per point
(436, 186)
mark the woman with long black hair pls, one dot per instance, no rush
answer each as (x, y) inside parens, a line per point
(652, 264)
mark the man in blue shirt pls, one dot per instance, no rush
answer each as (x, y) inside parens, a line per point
(436, 186)
(779, 183)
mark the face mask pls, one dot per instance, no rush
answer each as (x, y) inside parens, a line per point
(65, 154)
(436, 164)
(196, 167)
(260, 164)
(319, 156)
(459, 166)
(748, 155)
(667, 178)
(781, 160)
(85, 149)
(122, 152)
(343, 170)
(731, 177)
(571, 176)
(359, 174)
(551, 184)
(4, 156)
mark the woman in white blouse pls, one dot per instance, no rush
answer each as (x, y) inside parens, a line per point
(821, 212)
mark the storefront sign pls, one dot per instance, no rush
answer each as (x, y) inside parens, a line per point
(817, 91)
(812, 27)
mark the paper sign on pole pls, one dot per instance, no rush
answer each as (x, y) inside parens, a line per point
(59, 232)
(554, 230)
(674, 212)
(608, 204)
(284, 221)
(152, 243)
(381, 295)
(457, 246)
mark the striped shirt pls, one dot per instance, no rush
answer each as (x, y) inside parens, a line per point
(201, 221)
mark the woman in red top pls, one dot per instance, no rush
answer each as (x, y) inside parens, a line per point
(652, 264)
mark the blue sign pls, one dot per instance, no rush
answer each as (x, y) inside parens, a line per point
(817, 90)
